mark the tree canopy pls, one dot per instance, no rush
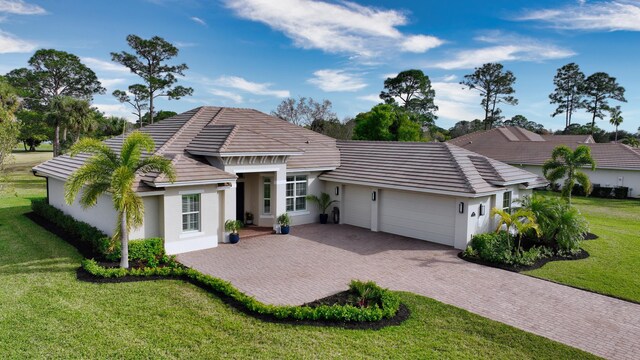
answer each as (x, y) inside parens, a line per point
(568, 93)
(388, 123)
(523, 122)
(566, 163)
(495, 86)
(150, 63)
(598, 89)
(413, 89)
(304, 111)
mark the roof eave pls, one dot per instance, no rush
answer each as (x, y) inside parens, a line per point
(189, 183)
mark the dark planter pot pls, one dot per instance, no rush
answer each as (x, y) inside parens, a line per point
(284, 229)
(234, 238)
(324, 218)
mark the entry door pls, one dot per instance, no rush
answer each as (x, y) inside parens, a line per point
(240, 201)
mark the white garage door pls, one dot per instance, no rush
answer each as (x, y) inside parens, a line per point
(420, 216)
(357, 206)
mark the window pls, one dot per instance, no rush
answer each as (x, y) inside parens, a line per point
(266, 196)
(506, 201)
(191, 212)
(297, 193)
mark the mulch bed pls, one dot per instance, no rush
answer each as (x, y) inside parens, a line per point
(582, 254)
(589, 236)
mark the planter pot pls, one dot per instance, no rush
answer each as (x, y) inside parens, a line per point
(324, 218)
(234, 238)
(284, 229)
(249, 222)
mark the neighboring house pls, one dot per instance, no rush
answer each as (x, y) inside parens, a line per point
(616, 164)
(230, 161)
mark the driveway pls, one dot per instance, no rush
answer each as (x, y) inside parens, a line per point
(319, 260)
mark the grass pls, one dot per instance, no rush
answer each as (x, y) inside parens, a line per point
(47, 312)
(615, 257)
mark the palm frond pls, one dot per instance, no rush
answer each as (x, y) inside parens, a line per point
(584, 181)
(133, 145)
(159, 164)
(554, 171)
(91, 193)
(582, 157)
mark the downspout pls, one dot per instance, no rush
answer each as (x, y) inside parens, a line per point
(35, 173)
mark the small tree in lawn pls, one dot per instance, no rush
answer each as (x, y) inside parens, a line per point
(522, 221)
(566, 163)
(109, 172)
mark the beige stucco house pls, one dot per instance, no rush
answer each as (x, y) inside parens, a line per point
(231, 161)
(616, 164)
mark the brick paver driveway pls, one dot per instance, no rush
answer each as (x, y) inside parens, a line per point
(319, 260)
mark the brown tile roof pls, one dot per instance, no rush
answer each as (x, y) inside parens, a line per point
(427, 167)
(494, 144)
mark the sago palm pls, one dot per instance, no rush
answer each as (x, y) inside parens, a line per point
(521, 221)
(566, 163)
(109, 172)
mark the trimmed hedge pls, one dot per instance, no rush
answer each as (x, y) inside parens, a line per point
(346, 313)
(150, 250)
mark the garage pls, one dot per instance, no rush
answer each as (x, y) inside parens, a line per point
(357, 206)
(416, 215)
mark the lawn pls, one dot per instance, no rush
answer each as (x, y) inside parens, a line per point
(47, 312)
(612, 268)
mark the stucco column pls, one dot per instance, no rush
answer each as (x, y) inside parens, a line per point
(280, 181)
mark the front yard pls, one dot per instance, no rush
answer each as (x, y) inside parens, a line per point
(612, 268)
(47, 312)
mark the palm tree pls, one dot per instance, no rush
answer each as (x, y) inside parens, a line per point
(109, 172)
(567, 163)
(631, 141)
(522, 221)
(616, 118)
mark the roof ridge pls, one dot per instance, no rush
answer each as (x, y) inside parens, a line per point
(227, 141)
(490, 163)
(179, 132)
(457, 165)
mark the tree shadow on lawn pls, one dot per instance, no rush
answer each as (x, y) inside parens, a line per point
(52, 265)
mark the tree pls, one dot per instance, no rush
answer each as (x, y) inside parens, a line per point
(115, 173)
(110, 126)
(54, 73)
(569, 81)
(158, 116)
(523, 122)
(9, 127)
(413, 89)
(334, 128)
(33, 129)
(304, 111)
(465, 127)
(70, 113)
(566, 163)
(149, 62)
(387, 123)
(616, 118)
(521, 221)
(495, 87)
(137, 96)
(631, 141)
(598, 89)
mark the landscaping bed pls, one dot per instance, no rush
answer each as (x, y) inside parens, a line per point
(581, 254)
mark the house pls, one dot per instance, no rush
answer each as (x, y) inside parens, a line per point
(230, 161)
(616, 164)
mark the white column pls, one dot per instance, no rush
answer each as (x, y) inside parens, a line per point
(280, 181)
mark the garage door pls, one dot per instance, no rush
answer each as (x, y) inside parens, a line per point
(419, 216)
(357, 206)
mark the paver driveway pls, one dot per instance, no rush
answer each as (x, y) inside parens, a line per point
(319, 260)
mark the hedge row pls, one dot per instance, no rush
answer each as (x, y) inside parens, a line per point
(347, 313)
(617, 192)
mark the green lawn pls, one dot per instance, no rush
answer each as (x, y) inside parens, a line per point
(612, 268)
(46, 312)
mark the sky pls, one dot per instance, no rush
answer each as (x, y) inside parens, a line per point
(255, 53)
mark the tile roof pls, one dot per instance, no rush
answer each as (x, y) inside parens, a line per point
(496, 145)
(427, 167)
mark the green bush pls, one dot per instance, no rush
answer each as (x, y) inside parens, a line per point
(493, 247)
(367, 293)
(388, 305)
(527, 257)
(620, 192)
(150, 250)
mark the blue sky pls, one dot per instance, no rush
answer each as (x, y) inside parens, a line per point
(254, 53)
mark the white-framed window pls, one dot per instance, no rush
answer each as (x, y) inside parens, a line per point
(297, 193)
(266, 196)
(190, 212)
(506, 201)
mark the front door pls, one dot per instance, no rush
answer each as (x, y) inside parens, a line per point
(240, 202)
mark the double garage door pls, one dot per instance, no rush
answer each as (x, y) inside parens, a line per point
(406, 213)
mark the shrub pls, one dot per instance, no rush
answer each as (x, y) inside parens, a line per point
(602, 191)
(149, 250)
(367, 293)
(527, 257)
(620, 192)
(578, 190)
(493, 247)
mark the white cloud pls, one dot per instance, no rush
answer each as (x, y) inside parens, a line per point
(198, 20)
(336, 80)
(110, 83)
(504, 48)
(456, 102)
(239, 83)
(375, 98)
(605, 15)
(116, 110)
(9, 43)
(343, 27)
(20, 7)
(183, 45)
(227, 95)
(449, 78)
(101, 65)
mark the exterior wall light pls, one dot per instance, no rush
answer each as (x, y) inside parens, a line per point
(461, 207)
(482, 209)
(337, 190)
(373, 196)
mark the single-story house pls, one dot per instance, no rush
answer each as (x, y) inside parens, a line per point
(616, 164)
(231, 161)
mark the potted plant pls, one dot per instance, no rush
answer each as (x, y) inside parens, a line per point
(324, 201)
(248, 218)
(284, 221)
(232, 227)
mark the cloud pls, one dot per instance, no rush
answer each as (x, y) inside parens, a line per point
(606, 16)
(102, 65)
(109, 83)
(336, 80)
(239, 83)
(503, 48)
(227, 95)
(198, 20)
(20, 7)
(343, 27)
(449, 78)
(375, 98)
(116, 110)
(9, 43)
(456, 102)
